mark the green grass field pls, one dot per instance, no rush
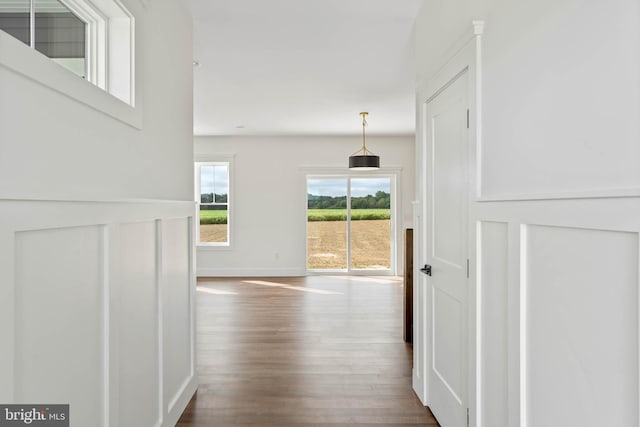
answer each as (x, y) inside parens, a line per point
(341, 214)
(220, 217)
(213, 217)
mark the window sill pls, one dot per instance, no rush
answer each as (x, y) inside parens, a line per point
(23, 60)
(213, 248)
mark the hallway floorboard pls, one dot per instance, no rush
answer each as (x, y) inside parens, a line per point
(319, 350)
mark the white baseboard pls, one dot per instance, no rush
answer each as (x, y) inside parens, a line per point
(418, 387)
(181, 403)
(250, 272)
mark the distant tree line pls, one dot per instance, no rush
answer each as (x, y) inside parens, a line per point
(210, 198)
(381, 200)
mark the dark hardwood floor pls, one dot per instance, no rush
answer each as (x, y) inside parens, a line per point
(304, 351)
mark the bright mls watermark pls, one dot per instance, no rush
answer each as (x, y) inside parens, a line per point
(34, 415)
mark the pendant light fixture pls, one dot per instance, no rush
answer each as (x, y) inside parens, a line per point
(363, 159)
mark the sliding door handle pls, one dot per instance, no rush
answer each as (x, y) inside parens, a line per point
(426, 269)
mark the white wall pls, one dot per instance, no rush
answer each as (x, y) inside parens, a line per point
(96, 207)
(54, 147)
(560, 87)
(557, 213)
(272, 241)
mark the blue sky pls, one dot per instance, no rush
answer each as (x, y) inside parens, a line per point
(217, 176)
(211, 176)
(338, 186)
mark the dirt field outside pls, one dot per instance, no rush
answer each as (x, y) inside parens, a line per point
(213, 233)
(370, 244)
(327, 243)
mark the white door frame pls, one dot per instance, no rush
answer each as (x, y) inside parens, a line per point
(463, 56)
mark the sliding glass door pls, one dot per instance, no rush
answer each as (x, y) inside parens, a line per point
(349, 224)
(370, 225)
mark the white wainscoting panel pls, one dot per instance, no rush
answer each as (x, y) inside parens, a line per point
(96, 309)
(177, 308)
(580, 309)
(59, 320)
(557, 324)
(137, 315)
(493, 291)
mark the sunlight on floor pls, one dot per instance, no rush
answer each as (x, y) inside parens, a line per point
(370, 279)
(290, 287)
(214, 291)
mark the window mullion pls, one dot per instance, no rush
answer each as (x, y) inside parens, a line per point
(32, 24)
(198, 200)
(348, 224)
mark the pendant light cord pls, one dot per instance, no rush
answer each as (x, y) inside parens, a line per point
(364, 124)
(363, 150)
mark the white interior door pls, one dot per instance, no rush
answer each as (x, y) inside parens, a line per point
(447, 253)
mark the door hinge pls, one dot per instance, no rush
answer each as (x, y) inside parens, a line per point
(467, 118)
(467, 417)
(467, 269)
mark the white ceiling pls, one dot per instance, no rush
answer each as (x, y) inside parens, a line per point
(303, 67)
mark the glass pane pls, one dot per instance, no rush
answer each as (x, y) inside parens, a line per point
(214, 183)
(221, 183)
(14, 19)
(327, 223)
(214, 227)
(206, 184)
(61, 35)
(371, 223)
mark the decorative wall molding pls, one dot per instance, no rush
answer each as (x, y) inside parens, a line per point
(588, 247)
(68, 255)
(592, 194)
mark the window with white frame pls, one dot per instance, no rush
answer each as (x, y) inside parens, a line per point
(351, 223)
(212, 199)
(91, 38)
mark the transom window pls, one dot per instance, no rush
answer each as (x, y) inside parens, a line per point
(91, 38)
(51, 28)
